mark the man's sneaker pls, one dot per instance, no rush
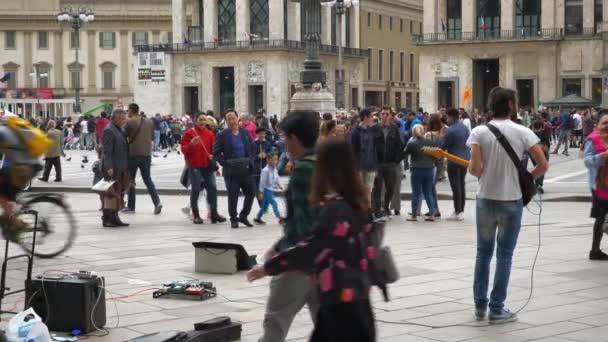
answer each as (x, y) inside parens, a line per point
(128, 211)
(598, 255)
(455, 217)
(480, 313)
(412, 218)
(158, 209)
(259, 221)
(501, 317)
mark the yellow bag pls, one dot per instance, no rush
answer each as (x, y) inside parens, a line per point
(35, 140)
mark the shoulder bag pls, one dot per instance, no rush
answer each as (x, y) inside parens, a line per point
(526, 180)
(131, 140)
(212, 162)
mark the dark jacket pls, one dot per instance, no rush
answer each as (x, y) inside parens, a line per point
(455, 141)
(419, 160)
(390, 151)
(223, 151)
(259, 147)
(115, 151)
(366, 144)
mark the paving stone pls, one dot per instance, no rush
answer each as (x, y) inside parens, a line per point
(549, 330)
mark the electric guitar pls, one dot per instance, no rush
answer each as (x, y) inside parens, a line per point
(439, 153)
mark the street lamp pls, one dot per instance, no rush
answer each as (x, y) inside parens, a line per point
(341, 7)
(76, 18)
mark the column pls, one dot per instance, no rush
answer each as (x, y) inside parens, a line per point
(326, 26)
(430, 15)
(124, 62)
(294, 20)
(179, 21)
(58, 58)
(469, 15)
(588, 11)
(243, 17)
(560, 12)
(343, 30)
(507, 15)
(91, 63)
(547, 20)
(355, 26)
(210, 20)
(196, 12)
(28, 65)
(276, 20)
(605, 56)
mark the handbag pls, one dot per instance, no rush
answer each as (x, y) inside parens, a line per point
(184, 178)
(526, 180)
(103, 186)
(212, 162)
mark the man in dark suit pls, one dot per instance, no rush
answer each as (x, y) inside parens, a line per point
(114, 166)
(233, 149)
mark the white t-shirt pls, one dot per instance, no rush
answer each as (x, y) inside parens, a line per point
(467, 123)
(499, 178)
(83, 127)
(578, 121)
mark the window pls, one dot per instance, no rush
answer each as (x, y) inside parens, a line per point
(334, 27)
(74, 40)
(411, 27)
(574, 17)
(369, 65)
(380, 64)
(285, 16)
(226, 20)
(390, 23)
(391, 60)
(140, 38)
(402, 66)
(258, 10)
(411, 67)
(380, 22)
(401, 25)
(572, 86)
(454, 12)
(596, 90)
(107, 74)
(598, 16)
(43, 71)
(107, 40)
(347, 28)
(488, 18)
(527, 18)
(369, 20)
(10, 40)
(11, 69)
(43, 40)
(420, 27)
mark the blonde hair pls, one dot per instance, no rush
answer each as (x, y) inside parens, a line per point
(418, 131)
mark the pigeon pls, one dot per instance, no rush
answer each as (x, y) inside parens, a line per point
(85, 160)
(154, 155)
(178, 153)
(82, 166)
(165, 156)
(69, 158)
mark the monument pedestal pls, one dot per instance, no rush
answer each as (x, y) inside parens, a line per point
(315, 98)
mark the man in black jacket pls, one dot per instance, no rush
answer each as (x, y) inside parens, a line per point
(389, 155)
(366, 140)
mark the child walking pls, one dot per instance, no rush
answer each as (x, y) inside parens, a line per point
(269, 182)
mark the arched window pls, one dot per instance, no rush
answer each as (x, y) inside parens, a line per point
(488, 18)
(226, 20)
(258, 10)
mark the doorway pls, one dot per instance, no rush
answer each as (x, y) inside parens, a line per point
(191, 99)
(256, 98)
(354, 98)
(525, 91)
(485, 77)
(445, 94)
(226, 87)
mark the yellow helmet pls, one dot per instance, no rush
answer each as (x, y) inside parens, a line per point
(35, 140)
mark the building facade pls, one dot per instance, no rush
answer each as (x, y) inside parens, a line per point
(39, 52)
(249, 56)
(391, 73)
(545, 49)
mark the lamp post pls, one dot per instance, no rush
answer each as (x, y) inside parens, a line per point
(76, 18)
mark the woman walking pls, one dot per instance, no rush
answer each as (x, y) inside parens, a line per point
(339, 251)
(423, 174)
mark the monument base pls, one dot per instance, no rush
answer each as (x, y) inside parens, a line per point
(315, 98)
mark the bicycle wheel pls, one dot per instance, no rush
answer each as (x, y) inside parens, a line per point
(56, 226)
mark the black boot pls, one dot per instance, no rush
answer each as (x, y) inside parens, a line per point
(116, 220)
(196, 217)
(216, 217)
(106, 218)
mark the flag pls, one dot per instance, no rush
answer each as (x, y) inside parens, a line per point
(6, 77)
(483, 24)
(466, 97)
(442, 25)
(250, 35)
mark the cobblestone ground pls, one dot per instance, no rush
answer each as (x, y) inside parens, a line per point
(569, 303)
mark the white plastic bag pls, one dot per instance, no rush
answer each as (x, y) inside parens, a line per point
(27, 326)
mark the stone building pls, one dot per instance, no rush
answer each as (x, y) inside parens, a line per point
(250, 56)
(543, 48)
(39, 52)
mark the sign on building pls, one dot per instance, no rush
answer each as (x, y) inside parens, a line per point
(151, 67)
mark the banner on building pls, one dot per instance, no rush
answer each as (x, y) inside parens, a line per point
(151, 67)
(26, 93)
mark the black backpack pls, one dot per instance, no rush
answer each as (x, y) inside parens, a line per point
(569, 123)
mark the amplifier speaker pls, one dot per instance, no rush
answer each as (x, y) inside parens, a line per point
(69, 302)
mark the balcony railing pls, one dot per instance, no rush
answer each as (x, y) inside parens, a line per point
(505, 35)
(277, 44)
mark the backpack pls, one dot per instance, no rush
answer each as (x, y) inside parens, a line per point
(383, 270)
(569, 123)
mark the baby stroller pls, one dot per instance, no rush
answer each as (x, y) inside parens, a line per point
(72, 143)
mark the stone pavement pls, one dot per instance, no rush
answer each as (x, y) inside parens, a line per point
(570, 301)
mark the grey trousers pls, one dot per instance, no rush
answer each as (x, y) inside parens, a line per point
(288, 294)
(396, 201)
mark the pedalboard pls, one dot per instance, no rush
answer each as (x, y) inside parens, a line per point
(187, 289)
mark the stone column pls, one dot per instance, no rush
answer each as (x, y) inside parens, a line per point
(276, 20)
(196, 13)
(210, 20)
(124, 62)
(430, 15)
(342, 37)
(326, 26)
(588, 11)
(294, 19)
(58, 60)
(28, 66)
(507, 15)
(547, 20)
(355, 26)
(180, 29)
(92, 66)
(605, 56)
(469, 15)
(243, 18)
(560, 12)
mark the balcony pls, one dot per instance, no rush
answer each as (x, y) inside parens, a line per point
(525, 34)
(247, 45)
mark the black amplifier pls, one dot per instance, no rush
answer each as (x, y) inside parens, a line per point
(66, 302)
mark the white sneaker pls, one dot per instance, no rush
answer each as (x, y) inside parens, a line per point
(455, 217)
(460, 217)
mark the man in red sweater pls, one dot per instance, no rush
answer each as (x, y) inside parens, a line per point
(100, 125)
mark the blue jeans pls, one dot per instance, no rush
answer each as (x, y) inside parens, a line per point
(203, 179)
(269, 200)
(422, 185)
(156, 140)
(143, 164)
(493, 216)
